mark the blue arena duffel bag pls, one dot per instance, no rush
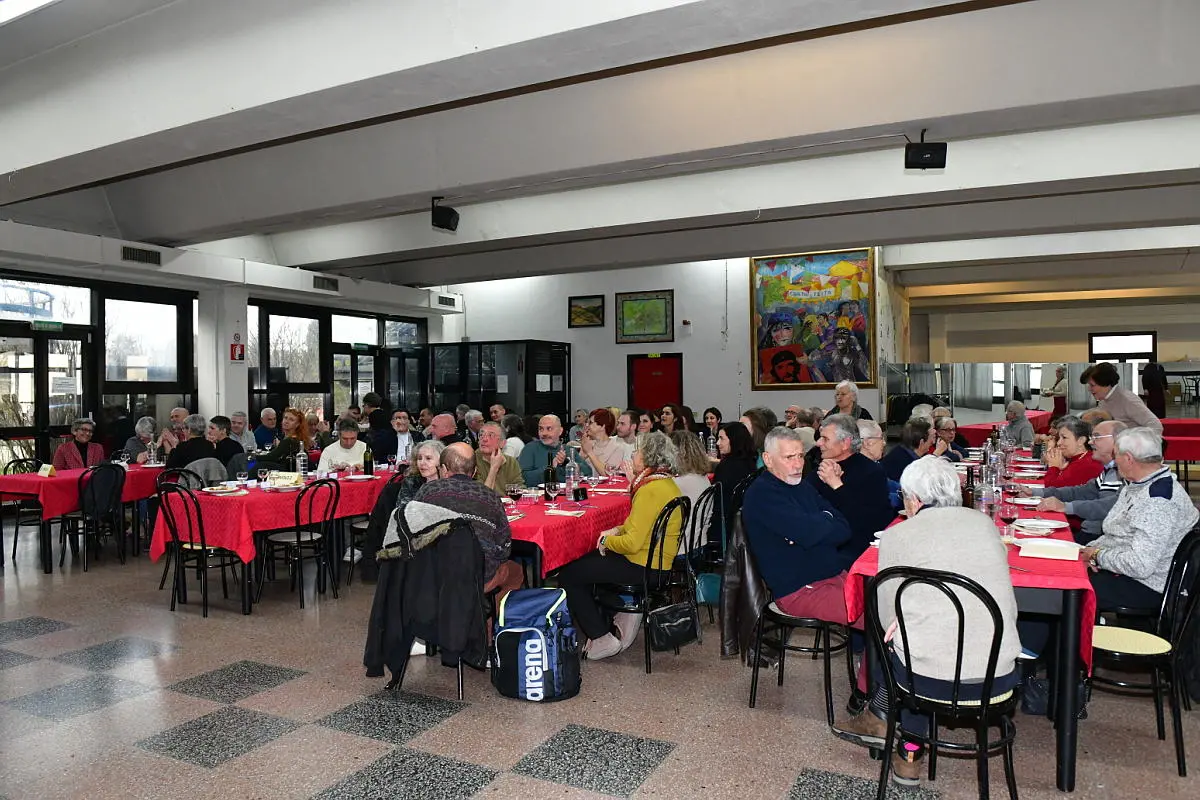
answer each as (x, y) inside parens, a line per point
(535, 651)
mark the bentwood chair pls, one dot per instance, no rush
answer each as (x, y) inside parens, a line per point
(29, 511)
(703, 560)
(1159, 652)
(829, 638)
(181, 513)
(317, 502)
(658, 583)
(983, 708)
(170, 477)
(101, 513)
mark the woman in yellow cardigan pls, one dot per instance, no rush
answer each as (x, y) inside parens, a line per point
(621, 553)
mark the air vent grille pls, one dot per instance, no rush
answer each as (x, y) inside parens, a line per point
(443, 300)
(140, 255)
(325, 284)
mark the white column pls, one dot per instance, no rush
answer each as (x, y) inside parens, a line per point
(221, 322)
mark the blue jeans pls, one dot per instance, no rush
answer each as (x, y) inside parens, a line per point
(917, 725)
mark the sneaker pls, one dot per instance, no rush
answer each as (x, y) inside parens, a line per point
(856, 703)
(607, 645)
(352, 554)
(628, 626)
(348, 554)
(906, 766)
(866, 730)
(418, 648)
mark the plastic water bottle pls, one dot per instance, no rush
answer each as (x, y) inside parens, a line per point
(571, 474)
(302, 463)
(713, 453)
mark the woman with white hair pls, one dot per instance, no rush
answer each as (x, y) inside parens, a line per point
(845, 401)
(1018, 430)
(939, 534)
(138, 445)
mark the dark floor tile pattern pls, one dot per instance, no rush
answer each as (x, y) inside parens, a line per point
(10, 659)
(215, 738)
(110, 655)
(595, 759)
(392, 717)
(404, 773)
(815, 784)
(28, 627)
(237, 681)
(80, 696)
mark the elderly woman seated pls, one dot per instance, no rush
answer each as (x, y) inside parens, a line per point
(81, 451)
(845, 398)
(873, 444)
(947, 431)
(1018, 429)
(621, 552)
(939, 534)
(138, 446)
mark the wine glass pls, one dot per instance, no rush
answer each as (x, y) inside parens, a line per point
(1008, 515)
(392, 462)
(263, 472)
(514, 492)
(242, 477)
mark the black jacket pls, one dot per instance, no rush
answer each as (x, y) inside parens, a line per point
(863, 501)
(383, 443)
(189, 451)
(410, 602)
(743, 595)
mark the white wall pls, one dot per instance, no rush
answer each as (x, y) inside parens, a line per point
(1057, 334)
(713, 295)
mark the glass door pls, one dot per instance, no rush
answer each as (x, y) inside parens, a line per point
(45, 384)
(355, 371)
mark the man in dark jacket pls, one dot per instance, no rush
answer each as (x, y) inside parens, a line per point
(853, 483)
(916, 440)
(795, 534)
(195, 446)
(398, 440)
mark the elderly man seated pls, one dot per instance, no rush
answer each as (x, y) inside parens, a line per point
(939, 534)
(458, 492)
(547, 447)
(1018, 429)
(796, 535)
(442, 429)
(1090, 502)
(853, 483)
(347, 452)
(946, 429)
(916, 440)
(195, 445)
(493, 467)
(473, 421)
(873, 443)
(1152, 514)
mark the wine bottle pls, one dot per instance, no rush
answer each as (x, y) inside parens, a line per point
(368, 461)
(549, 479)
(968, 492)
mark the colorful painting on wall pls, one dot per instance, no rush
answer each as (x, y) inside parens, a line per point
(585, 311)
(812, 319)
(645, 316)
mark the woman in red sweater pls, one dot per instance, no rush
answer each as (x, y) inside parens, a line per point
(1070, 461)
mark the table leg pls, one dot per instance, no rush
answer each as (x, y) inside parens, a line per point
(248, 586)
(44, 546)
(537, 567)
(1067, 722)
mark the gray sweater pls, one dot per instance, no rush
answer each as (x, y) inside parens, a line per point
(1091, 501)
(1129, 408)
(1144, 528)
(964, 541)
(1020, 430)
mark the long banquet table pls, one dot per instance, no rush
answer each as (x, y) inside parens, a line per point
(977, 433)
(1042, 586)
(59, 495)
(552, 541)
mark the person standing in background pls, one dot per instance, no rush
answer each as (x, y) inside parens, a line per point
(1059, 392)
(1154, 383)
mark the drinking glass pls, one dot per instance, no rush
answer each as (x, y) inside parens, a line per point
(243, 477)
(392, 462)
(262, 474)
(514, 492)
(1007, 515)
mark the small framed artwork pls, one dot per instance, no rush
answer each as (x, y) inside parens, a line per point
(585, 311)
(645, 316)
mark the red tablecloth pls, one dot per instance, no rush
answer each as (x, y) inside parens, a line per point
(60, 495)
(564, 539)
(1035, 573)
(1181, 427)
(977, 433)
(230, 521)
(1182, 448)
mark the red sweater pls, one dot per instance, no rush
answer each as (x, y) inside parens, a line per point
(1079, 470)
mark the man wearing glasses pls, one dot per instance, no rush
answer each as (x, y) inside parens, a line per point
(81, 452)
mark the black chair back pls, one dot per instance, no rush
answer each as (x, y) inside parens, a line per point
(1182, 589)
(317, 502)
(945, 583)
(700, 517)
(179, 475)
(22, 466)
(657, 558)
(181, 510)
(100, 489)
(739, 491)
(239, 462)
(397, 478)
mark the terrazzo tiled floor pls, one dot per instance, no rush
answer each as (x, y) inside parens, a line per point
(106, 693)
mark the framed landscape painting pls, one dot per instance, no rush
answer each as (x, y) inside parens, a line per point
(812, 319)
(585, 311)
(645, 316)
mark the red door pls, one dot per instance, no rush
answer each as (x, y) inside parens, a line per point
(655, 380)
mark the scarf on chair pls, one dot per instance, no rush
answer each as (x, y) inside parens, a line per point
(647, 476)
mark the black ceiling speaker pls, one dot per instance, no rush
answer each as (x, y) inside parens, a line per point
(925, 155)
(444, 217)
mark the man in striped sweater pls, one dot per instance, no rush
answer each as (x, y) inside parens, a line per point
(1153, 513)
(1090, 502)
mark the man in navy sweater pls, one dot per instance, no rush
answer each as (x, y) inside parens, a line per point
(854, 484)
(916, 440)
(795, 534)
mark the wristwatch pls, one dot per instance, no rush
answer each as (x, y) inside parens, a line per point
(1094, 560)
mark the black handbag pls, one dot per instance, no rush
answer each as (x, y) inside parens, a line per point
(671, 627)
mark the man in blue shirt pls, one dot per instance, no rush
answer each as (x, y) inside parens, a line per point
(266, 434)
(548, 445)
(796, 535)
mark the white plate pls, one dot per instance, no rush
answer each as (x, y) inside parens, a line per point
(282, 488)
(1039, 527)
(361, 478)
(219, 489)
(1029, 474)
(1025, 501)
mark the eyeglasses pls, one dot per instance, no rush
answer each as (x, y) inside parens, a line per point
(88, 431)
(1102, 436)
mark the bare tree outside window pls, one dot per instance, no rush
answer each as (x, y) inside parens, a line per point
(295, 350)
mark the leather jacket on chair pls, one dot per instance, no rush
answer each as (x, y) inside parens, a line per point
(743, 595)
